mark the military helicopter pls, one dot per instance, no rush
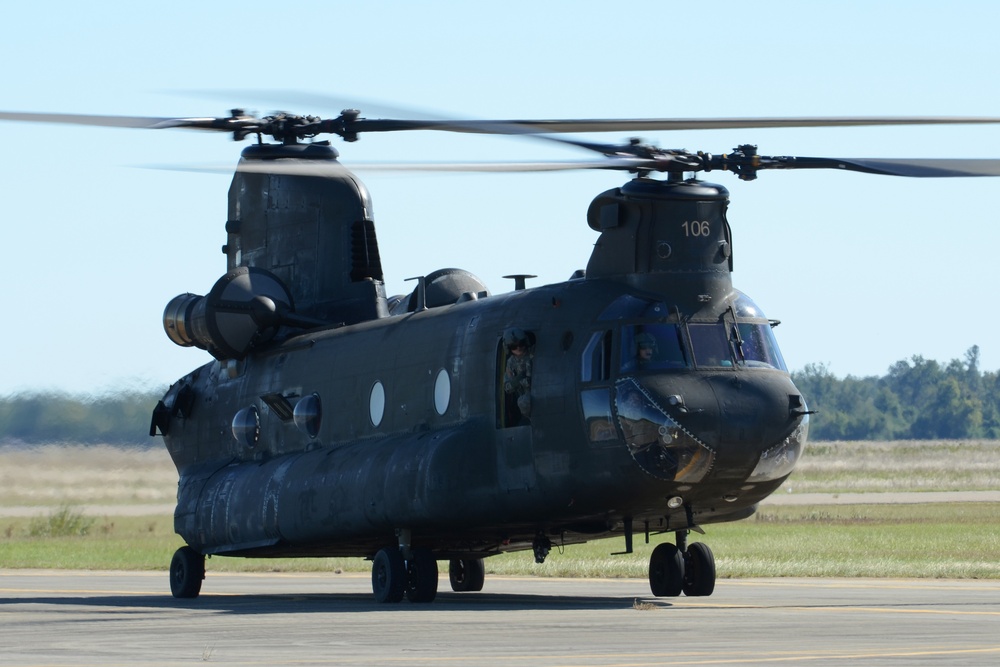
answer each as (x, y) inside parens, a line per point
(645, 394)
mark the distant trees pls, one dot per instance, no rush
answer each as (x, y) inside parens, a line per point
(918, 399)
(52, 417)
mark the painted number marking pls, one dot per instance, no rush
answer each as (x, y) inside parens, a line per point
(697, 228)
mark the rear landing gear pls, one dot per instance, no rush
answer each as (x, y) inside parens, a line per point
(187, 570)
(394, 577)
(677, 568)
(421, 576)
(388, 575)
(467, 575)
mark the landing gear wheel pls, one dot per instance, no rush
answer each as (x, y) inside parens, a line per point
(187, 570)
(421, 577)
(666, 571)
(467, 575)
(388, 575)
(699, 570)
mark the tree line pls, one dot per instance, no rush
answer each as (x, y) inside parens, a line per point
(56, 417)
(917, 399)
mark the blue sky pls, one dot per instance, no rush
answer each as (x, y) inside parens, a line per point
(862, 270)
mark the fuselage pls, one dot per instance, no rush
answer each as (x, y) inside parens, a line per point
(412, 427)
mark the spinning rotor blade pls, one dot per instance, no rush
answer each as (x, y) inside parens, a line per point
(913, 167)
(349, 124)
(647, 124)
(745, 166)
(633, 157)
(79, 119)
(231, 124)
(745, 163)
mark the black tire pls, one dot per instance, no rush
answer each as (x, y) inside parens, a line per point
(699, 570)
(187, 571)
(388, 575)
(421, 577)
(666, 571)
(467, 575)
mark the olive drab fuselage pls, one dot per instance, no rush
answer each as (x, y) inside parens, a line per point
(332, 417)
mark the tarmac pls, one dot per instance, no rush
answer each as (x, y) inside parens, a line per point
(55, 618)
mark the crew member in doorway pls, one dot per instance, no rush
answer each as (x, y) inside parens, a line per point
(517, 374)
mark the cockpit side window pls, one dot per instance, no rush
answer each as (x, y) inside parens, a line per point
(757, 347)
(652, 347)
(596, 361)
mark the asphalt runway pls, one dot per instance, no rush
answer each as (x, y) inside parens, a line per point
(128, 618)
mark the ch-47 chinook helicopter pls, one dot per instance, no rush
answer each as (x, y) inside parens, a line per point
(643, 394)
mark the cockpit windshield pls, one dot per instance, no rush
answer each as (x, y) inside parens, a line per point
(711, 345)
(740, 338)
(652, 347)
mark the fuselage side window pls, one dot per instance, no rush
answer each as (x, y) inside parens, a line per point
(598, 420)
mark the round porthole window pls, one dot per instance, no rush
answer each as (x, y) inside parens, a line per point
(307, 414)
(442, 392)
(376, 403)
(246, 427)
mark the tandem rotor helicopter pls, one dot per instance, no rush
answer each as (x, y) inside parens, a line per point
(642, 395)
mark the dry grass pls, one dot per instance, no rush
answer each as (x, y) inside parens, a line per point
(927, 540)
(906, 465)
(57, 475)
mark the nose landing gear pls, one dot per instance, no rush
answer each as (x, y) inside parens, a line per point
(677, 568)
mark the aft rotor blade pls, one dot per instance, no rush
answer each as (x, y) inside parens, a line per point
(613, 163)
(333, 168)
(744, 166)
(80, 119)
(138, 122)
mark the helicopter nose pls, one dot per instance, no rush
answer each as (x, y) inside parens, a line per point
(742, 428)
(763, 425)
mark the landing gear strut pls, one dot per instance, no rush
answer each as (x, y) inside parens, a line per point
(676, 568)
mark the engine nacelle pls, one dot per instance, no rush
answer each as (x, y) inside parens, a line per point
(245, 309)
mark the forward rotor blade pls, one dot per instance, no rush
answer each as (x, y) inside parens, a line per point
(649, 124)
(915, 167)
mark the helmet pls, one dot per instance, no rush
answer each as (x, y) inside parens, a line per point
(645, 340)
(513, 336)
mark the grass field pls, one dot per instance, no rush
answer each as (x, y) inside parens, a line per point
(924, 540)
(906, 465)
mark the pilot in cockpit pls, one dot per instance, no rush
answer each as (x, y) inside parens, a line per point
(645, 350)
